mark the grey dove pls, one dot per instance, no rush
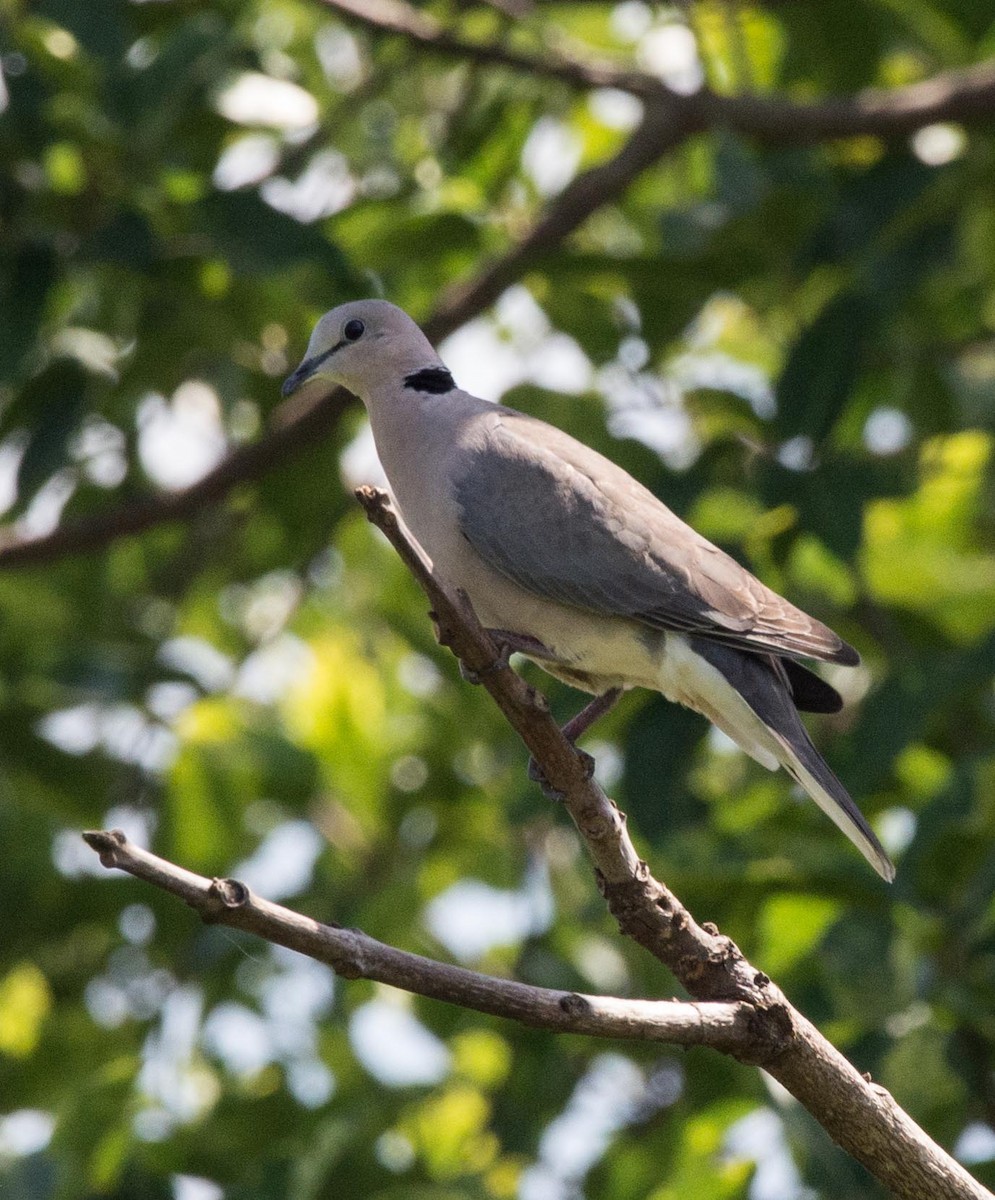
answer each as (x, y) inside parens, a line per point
(578, 565)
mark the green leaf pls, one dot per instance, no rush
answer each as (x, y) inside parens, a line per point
(822, 368)
(57, 399)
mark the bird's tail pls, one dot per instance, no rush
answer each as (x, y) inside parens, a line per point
(757, 710)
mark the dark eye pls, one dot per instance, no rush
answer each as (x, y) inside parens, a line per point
(354, 330)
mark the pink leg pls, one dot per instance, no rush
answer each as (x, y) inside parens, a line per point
(572, 731)
(597, 708)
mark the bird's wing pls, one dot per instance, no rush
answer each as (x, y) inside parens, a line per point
(563, 521)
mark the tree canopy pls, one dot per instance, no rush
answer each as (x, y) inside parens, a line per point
(747, 251)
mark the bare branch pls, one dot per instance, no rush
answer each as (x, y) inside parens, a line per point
(966, 95)
(709, 965)
(733, 1028)
(396, 17)
(860, 1115)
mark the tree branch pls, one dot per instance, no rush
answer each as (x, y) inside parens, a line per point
(859, 1115)
(967, 94)
(730, 1027)
(294, 429)
(396, 17)
(663, 127)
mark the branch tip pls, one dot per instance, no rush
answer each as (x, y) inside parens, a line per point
(107, 843)
(376, 504)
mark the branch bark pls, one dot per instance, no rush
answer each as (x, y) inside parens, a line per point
(966, 94)
(859, 1115)
(730, 1027)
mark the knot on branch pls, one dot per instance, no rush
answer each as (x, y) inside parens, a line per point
(574, 1005)
(229, 893)
(376, 505)
(771, 1032)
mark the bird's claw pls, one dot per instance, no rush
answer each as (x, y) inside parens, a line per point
(537, 775)
(477, 677)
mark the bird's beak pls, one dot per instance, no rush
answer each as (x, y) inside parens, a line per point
(294, 381)
(308, 369)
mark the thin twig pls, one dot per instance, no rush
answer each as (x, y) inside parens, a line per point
(732, 1028)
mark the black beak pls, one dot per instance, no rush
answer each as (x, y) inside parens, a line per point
(307, 369)
(293, 382)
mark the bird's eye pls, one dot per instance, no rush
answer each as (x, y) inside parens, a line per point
(354, 330)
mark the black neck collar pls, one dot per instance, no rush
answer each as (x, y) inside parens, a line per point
(436, 380)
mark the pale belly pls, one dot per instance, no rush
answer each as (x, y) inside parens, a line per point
(591, 651)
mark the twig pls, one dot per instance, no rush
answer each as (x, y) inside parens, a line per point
(860, 1115)
(396, 17)
(733, 1028)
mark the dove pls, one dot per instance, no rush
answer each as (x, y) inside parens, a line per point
(575, 564)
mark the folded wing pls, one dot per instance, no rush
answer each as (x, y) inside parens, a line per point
(565, 522)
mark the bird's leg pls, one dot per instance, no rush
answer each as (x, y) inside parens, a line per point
(590, 713)
(508, 644)
(573, 729)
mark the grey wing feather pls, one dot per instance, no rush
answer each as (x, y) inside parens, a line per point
(565, 522)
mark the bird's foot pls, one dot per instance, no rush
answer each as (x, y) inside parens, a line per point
(572, 731)
(477, 677)
(508, 643)
(536, 775)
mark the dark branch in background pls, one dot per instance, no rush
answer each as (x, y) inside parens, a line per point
(354, 955)
(860, 1116)
(284, 440)
(668, 120)
(965, 95)
(660, 130)
(393, 16)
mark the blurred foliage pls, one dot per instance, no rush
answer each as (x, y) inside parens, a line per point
(794, 347)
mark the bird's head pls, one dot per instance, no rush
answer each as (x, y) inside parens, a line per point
(365, 345)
